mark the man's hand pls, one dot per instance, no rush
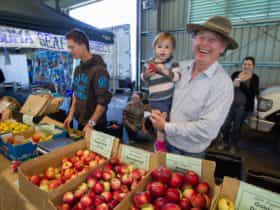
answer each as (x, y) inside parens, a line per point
(158, 119)
(86, 128)
(67, 122)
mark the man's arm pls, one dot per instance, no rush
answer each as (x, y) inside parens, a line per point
(69, 118)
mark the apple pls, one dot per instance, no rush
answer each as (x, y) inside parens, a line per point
(141, 199)
(106, 175)
(208, 201)
(189, 193)
(83, 186)
(106, 186)
(64, 206)
(44, 187)
(98, 199)
(91, 155)
(86, 152)
(198, 201)
(124, 188)
(185, 204)
(35, 179)
(126, 179)
(157, 189)
(93, 164)
(79, 153)
(14, 166)
(176, 180)
(67, 174)
(86, 200)
(173, 195)
(102, 206)
(115, 184)
(98, 187)
(134, 184)
(225, 204)
(107, 196)
(91, 182)
(36, 137)
(162, 175)
(91, 193)
(54, 184)
(171, 206)
(191, 177)
(50, 173)
(112, 204)
(97, 173)
(115, 161)
(120, 196)
(68, 197)
(66, 165)
(11, 139)
(203, 188)
(159, 203)
(136, 174)
(78, 165)
(79, 193)
(148, 207)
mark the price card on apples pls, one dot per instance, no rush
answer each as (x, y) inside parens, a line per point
(139, 158)
(27, 119)
(182, 163)
(101, 143)
(254, 198)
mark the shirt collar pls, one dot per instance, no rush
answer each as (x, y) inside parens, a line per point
(208, 72)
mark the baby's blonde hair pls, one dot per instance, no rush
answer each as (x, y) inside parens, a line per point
(164, 36)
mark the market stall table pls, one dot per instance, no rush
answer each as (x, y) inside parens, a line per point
(10, 196)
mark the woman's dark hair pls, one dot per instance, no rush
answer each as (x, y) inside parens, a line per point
(79, 37)
(251, 59)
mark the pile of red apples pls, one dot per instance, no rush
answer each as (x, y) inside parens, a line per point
(70, 167)
(173, 191)
(104, 188)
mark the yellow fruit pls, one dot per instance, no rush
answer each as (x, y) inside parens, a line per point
(225, 204)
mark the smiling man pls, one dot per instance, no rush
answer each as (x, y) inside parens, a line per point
(90, 85)
(204, 94)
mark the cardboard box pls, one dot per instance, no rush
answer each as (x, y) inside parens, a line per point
(246, 196)
(35, 105)
(40, 198)
(53, 106)
(204, 168)
(127, 154)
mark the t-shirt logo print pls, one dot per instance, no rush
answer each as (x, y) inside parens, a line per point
(102, 82)
(81, 86)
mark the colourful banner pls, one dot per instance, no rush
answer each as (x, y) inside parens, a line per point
(23, 38)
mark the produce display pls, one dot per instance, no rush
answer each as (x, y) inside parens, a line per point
(53, 177)
(104, 188)
(225, 204)
(173, 191)
(13, 126)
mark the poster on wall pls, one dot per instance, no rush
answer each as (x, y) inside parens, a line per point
(54, 67)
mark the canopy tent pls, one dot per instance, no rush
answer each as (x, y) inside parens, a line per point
(35, 15)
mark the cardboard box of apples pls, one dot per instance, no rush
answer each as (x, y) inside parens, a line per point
(45, 175)
(238, 195)
(180, 183)
(107, 186)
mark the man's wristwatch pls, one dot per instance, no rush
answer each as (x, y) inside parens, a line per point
(91, 123)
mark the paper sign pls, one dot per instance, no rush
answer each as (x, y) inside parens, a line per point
(47, 128)
(182, 163)
(253, 198)
(101, 143)
(27, 119)
(137, 157)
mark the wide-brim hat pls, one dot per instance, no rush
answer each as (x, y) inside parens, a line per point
(218, 24)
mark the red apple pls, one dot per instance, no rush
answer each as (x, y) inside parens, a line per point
(141, 199)
(35, 179)
(36, 137)
(98, 187)
(107, 196)
(91, 182)
(162, 175)
(97, 173)
(124, 188)
(198, 201)
(86, 201)
(160, 202)
(126, 179)
(191, 177)
(208, 201)
(173, 195)
(64, 206)
(50, 173)
(185, 204)
(79, 193)
(98, 199)
(91, 193)
(189, 193)
(115, 184)
(93, 164)
(106, 175)
(83, 186)
(203, 188)
(54, 184)
(157, 189)
(78, 165)
(176, 180)
(102, 206)
(66, 165)
(171, 206)
(79, 153)
(68, 197)
(86, 152)
(14, 166)
(115, 161)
